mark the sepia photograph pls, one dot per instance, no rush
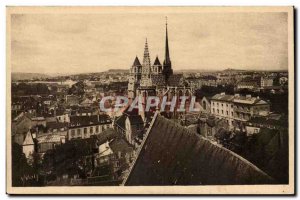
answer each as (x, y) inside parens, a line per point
(150, 100)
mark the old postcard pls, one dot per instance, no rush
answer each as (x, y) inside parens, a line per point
(150, 100)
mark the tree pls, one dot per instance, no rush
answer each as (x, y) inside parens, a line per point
(20, 168)
(77, 89)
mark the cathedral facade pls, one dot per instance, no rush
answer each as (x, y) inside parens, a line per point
(155, 79)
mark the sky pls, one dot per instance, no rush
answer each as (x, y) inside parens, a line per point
(95, 42)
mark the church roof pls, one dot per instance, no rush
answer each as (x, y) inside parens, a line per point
(172, 155)
(158, 79)
(175, 79)
(136, 62)
(157, 62)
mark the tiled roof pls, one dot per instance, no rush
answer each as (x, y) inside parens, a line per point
(78, 121)
(247, 100)
(158, 79)
(49, 138)
(224, 97)
(56, 125)
(171, 155)
(106, 135)
(238, 99)
(120, 145)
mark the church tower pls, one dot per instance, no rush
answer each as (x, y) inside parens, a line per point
(136, 70)
(167, 65)
(157, 67)
(134, 78)
(146, 67)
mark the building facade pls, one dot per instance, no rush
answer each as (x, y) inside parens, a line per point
(236, 108)
(85, 126)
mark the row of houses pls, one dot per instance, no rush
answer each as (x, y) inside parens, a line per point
(48, 134)
(241, 81)
(254, 83)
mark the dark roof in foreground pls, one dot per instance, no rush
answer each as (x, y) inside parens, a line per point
(171, 155)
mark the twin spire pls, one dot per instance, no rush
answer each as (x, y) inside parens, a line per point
(167, 66)
(167, 61)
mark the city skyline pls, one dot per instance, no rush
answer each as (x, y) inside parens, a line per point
(85, 43)
(167, 97)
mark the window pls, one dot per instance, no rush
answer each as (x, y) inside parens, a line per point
(78, 132)
(209, 132)
(73, 133)
(218, 111)
(222, 105)
(213, 110)
(91, 130)
(97, 129)
(85, 130)
(227, 113)
(231, 113)
(222, 112)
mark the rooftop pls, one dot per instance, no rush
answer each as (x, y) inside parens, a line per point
(76, 121)
(171, 155)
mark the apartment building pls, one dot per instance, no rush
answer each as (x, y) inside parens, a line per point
(222, 107)
(238, 108)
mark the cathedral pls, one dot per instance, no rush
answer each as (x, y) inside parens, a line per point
(155, 79)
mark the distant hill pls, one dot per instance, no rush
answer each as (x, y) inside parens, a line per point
(117, 71)
(15, 76)
(193, 71)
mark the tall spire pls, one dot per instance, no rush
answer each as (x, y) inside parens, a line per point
(167, 65)
(167, 54)
(146, 60)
